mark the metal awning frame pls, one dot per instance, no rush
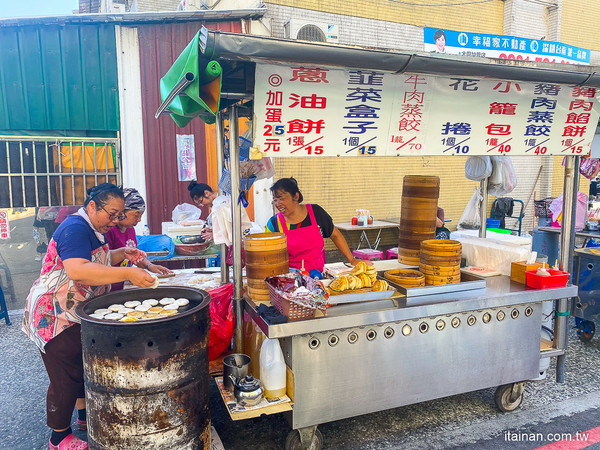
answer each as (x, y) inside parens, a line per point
(238, 53)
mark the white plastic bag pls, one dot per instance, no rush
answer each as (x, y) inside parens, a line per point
(220, 220)
(470, 219)
(503, 178)
(186, 212)
(478, 168)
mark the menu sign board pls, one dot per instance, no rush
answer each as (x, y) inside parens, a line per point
(324, 111)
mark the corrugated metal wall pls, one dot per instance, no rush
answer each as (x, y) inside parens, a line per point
(160, 45)
(58, 77)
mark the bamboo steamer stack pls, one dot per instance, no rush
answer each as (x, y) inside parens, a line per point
(266, 255)
(418, 215)
(440, 261)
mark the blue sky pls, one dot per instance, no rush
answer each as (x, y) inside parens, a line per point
(24, 8)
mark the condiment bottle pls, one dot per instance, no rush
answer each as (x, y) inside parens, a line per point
(272, 369)
(542, 271)
(303, 271)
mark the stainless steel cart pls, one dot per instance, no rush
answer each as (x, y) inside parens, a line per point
(371, 356)
(376, 355)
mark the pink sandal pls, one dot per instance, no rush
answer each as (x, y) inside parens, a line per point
(71, 442)
(81, 425)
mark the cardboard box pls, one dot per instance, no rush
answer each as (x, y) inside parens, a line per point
(518, 269)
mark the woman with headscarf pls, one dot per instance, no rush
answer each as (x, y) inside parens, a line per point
(123, 234)
(77, 267)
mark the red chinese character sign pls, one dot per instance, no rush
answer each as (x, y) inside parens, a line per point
(4, 226)
(326, 111)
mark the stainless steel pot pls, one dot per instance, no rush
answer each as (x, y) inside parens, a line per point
(236, 366)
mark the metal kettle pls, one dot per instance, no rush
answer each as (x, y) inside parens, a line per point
(247, 390)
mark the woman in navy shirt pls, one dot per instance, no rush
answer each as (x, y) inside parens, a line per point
(77, 267)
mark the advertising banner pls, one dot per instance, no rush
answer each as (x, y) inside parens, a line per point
(503, 47)
(326, 111)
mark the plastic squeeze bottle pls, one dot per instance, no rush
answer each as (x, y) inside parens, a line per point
(272, 369)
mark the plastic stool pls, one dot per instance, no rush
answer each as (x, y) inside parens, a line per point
(3, 309)
(368, 254)
(391, 253)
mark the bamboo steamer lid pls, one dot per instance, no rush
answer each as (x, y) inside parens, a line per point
(437, 280)
(418, 213)
(442, 254)
(265, 242)
(409, 261)
(439, 270)
(408, 225)
(419, 203)
(405, 277)
(258, 294)
(441, 245)
(409, 253)
(421, 186)
(410, 244)
(446, 261)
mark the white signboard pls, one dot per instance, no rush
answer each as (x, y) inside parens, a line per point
(325, 111)
(186, 157)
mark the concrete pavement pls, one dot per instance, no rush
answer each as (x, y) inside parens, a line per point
(464, 421)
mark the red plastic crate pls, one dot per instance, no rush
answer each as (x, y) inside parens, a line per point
(557, 278)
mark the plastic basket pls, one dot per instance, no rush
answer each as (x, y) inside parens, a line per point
(492, 223)
(557, 278)
(225, 182)
(244, 148)
(292, 310)
(542, 207)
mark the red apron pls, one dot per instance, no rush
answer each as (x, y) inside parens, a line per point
(305, 243)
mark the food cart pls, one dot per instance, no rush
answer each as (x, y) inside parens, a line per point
(380, 354)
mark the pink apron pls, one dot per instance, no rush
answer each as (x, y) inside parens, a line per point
(305, 243)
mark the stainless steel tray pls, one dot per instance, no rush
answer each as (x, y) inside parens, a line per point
(468, 283)
(359, 297)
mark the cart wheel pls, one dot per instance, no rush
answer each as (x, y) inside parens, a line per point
(293, 441)
(509, 397)
(586, 330)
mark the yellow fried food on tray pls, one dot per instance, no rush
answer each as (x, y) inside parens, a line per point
(380, 285)
(361, 267)
(339, 284)
(351, 282)
(371, 272)
(366, 280)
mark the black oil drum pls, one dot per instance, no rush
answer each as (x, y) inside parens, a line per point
(147, 382)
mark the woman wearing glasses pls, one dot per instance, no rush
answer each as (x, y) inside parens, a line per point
(123, 235)
(77, 267)
(203, 196)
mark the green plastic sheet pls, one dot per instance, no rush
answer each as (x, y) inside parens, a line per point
(201, 98)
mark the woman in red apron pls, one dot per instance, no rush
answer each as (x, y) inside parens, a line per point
(305, 227)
